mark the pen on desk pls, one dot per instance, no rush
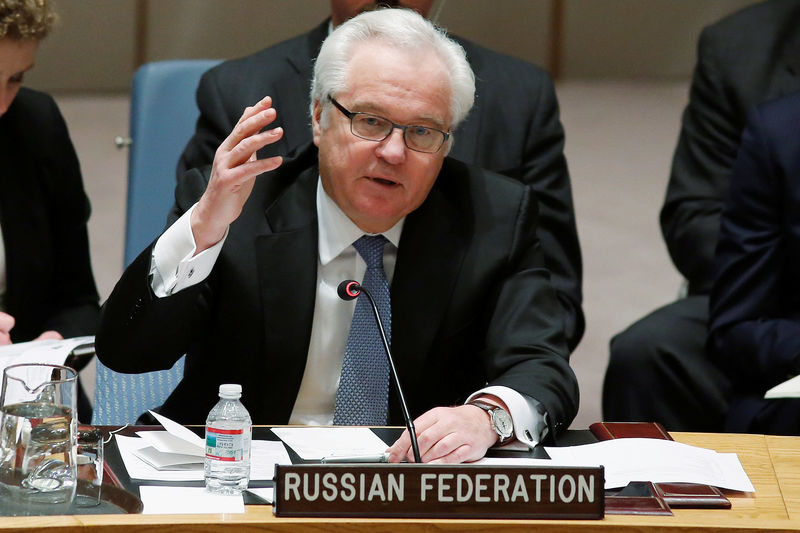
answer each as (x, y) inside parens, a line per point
(382, 458)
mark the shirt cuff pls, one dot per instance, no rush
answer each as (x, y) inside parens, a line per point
(527, 414)
(173, 265)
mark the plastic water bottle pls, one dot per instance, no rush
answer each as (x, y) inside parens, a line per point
(229, 430)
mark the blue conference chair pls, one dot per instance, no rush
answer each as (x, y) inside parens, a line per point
(162, 120)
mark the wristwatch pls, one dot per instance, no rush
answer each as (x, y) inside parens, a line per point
(501, 420)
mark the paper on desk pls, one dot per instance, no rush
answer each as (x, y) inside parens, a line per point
(314, 443)
(264, 455)
(187, 500)
(656, 460)
(267, 493)
(787, 389)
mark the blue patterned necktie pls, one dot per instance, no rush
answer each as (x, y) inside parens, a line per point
(363, 395)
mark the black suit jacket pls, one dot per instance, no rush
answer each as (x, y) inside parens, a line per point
(744, 59)
(471, 301)
(514, 129)
(755, 304)
(43, 214)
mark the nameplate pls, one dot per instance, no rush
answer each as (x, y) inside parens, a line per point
(438, 491)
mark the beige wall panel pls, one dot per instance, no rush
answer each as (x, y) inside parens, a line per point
(225, 28)
(90, 49)
(519, 28)
(636, 38)
(213, 28)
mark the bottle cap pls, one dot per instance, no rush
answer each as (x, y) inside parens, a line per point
(230, 390)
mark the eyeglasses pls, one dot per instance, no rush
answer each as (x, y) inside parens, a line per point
(374, 128)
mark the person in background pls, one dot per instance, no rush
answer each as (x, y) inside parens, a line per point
(755, 301)
(513, 129)
(244, 282)
(659, 369)
(47, 290)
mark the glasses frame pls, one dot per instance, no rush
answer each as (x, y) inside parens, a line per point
(404, 128)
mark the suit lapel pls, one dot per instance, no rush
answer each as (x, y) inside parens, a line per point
(429, 259)
(287, 272)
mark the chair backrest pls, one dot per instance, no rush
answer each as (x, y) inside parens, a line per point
(162, 120)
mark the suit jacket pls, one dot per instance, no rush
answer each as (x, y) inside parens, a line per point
(514, 129)
(471, 301)
(755, 303)
(43, 215)
(742, 60)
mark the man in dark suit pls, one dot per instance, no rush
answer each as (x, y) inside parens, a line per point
(659, 369)
(755, 302)
(244, 282)
(513, 129)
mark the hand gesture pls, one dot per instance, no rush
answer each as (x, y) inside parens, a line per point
(233, 173)
(6, 324)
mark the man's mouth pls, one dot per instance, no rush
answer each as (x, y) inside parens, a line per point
(383, 181)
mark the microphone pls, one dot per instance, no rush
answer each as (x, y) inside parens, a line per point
(350, 290)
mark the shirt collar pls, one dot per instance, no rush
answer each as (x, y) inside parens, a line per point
(337, 231)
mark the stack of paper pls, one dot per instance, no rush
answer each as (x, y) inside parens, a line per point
(177, 454)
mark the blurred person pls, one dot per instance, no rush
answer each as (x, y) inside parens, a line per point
(47, 290)
(513, 129)
(755, 301)
(659, 369)
(244, 281)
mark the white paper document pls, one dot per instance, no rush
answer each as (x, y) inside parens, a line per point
(656, 460)
(264, 455)
(187, 500)
(52, 352)
(315, 443)
(787, 389)
(267, 493)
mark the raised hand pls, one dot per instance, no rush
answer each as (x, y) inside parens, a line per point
(233, 173)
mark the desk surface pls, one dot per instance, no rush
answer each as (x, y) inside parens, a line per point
(773, 464)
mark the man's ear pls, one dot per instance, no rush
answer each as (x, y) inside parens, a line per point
(316, 119)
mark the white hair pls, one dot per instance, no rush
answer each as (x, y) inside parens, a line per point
(400, 28)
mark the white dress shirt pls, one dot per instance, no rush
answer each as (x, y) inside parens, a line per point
(174, 267)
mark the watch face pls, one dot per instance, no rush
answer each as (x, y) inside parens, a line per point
(502, 423)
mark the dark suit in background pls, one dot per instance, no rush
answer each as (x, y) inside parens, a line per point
(659, 369)
(755, 303)
(514, 129)
(43, 214)
(472, 301)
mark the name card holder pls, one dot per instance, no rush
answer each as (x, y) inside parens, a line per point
(438, 491)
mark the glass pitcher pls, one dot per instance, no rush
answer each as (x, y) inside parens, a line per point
(38, 439)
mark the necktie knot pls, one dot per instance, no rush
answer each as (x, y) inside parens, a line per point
(370, 248)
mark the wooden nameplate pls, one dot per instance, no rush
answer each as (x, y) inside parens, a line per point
(438, 491)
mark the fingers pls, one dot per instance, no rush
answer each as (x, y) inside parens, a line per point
(447, 435)
(5, 338)
(6, 322)
(50, 335)
(253, 119)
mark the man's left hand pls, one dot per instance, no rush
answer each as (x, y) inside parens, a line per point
(447, 435)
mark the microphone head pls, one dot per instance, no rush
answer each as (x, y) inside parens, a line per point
(348, 290)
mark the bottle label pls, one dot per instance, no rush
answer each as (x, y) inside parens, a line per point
(224, 444)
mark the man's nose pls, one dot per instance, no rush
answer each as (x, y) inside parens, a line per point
(393, 148)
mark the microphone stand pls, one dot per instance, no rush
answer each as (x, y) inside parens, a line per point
(409, 423)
